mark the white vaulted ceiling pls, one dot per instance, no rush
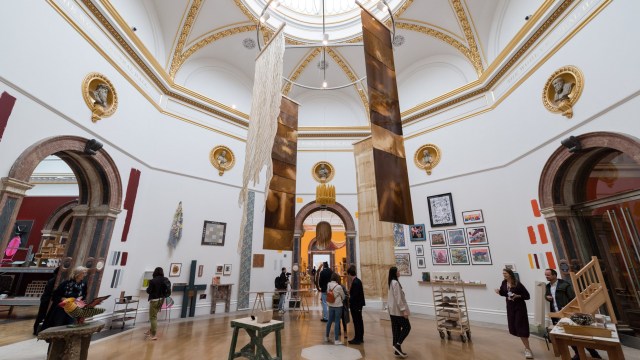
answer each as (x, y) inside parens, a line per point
(206, 46)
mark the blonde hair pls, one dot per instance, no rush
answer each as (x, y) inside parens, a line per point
(76, 271)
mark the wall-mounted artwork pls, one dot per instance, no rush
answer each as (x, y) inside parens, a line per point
(417, 232)
(459, 256)
(403, 262)
(477, 235)
(175, 269)
(472, 217)
(441, 210)
(440, 256)
(456, 237)
(258, 260)
(200, 270)
(419, 250)
(437, 238)
(480, 255)
(219, 269)
(399, 236)
(227, 270)
(213, 233)
(421, 262)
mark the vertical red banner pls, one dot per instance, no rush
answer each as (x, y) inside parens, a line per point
(6, 106)
(535, 208)
(130, 200)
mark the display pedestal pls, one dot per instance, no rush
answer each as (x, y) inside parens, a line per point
(70, 343)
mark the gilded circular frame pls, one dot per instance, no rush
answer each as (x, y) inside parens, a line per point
(226, 153)
(100, 108)
(571, 75)
(315, 171)
(434, 154)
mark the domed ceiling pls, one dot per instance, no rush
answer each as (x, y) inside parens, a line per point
(209, 47)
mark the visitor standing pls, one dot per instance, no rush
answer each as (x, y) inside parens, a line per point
(73, 287)
(323, 280)
(281, 283)
(157, 291)
(45, 299)
(335, 308)
(356, 303)
(398, 311)
(516, 295)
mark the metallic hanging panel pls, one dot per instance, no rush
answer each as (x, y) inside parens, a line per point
(389, 159)
(281, 198)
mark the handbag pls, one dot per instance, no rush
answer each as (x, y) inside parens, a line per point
(345, 315)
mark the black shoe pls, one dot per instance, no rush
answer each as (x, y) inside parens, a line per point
(324, 320)
(354, 342)
(398, 349)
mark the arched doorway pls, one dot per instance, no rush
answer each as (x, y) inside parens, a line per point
(350, 233)
(99, 199)
(591, 201)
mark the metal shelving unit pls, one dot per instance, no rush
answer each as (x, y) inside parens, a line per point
(452, 316)
(125, 310)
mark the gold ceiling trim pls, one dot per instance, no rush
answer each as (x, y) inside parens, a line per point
(213, 38)
(438, 35)
(468, 34)
(299, 69)
(178, 55)
(336, 135)
(342, 63)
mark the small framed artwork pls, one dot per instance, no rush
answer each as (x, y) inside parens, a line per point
(417, 233)
(219, 269)
(200, 270)
(399, 236)
(213, 233)
(440, 256)
(419, 250)
(480, 255)
(459, 256)
(258, 260)
(422, 264)
(456, 237)
(175, 269)
(227, 270)
(472, 217)
(437, 238)
(441, 210)
(403, 262)
(477, 235)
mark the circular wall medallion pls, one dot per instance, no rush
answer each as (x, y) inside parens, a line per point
(562, 90)
(222, 158)
(427, 157)
(100, 96)
(295, 267)
(100, 265)
(323, 172)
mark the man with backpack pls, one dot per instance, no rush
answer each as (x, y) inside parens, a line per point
(324, 278)
(159, 288)
(281, 283)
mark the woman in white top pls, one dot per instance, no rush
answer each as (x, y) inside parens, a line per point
(335, 308)
(399, 312)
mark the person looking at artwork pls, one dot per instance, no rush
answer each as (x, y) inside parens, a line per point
(323, 280)
(157, 292)
(73, 287)
(517, 318)
(398, 311)
(45, 299)
(559, 293)
(281, 283)
(356, 303)
(335, 308)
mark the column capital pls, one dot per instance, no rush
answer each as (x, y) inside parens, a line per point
(15, 186)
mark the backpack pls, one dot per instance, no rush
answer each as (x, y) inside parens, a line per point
(331, 298)
(279, 284)
(165, 289)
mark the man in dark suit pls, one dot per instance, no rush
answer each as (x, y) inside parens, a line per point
(356, 302)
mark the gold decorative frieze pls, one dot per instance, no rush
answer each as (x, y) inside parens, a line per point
(562, 90)
(438, 35)
(323, 172)
(427, 157)
(177, 59)
(100, 96)
(475, 58)
(300, 68)
(222, 158)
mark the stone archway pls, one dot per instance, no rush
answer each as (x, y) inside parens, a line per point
(99, 199)
(347, 220)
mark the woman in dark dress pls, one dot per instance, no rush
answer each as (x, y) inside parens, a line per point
(74, 287)
(517, 317)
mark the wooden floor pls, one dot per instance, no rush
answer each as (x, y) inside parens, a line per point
(210, 338)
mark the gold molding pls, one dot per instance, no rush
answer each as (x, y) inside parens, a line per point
(430, 160)
(342, 63)
(213, 38)
(573, 81)
(177, 59)
(222, 158)
(100, 96)
(437, 34)
(299, 69)
(315, 172)
(461, 14)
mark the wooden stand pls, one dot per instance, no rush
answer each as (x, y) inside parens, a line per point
(561, 342)
(70, 343)
(257, 332)
(221, 292)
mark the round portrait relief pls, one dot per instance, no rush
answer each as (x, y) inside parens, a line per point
(323, 172)
(222, 158)
(562, 90)
(100, 96)
(427, 157)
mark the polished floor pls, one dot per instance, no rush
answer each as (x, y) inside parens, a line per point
(210, 338)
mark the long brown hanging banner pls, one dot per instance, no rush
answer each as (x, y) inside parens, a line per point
(389, 160)
(279, 220)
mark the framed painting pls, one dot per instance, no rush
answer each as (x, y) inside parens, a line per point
(440, 256)
(399, 236)
(403, 262)
(419, 250)
(441, 210)
(477, 235)
(480, 255)
(227, 270)
(456, 237)
(219, 269)
(437, 238)
(175, 269)
(258, 260)
(213, 233)
(459, 256)
(472, 217)
(200, 270)
(417, 233)
(422, 264)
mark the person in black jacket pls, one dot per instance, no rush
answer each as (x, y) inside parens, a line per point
(45, 299)
(325, 277)
(281, 285)
(356, 303)
(156, 298)
(74, 287)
